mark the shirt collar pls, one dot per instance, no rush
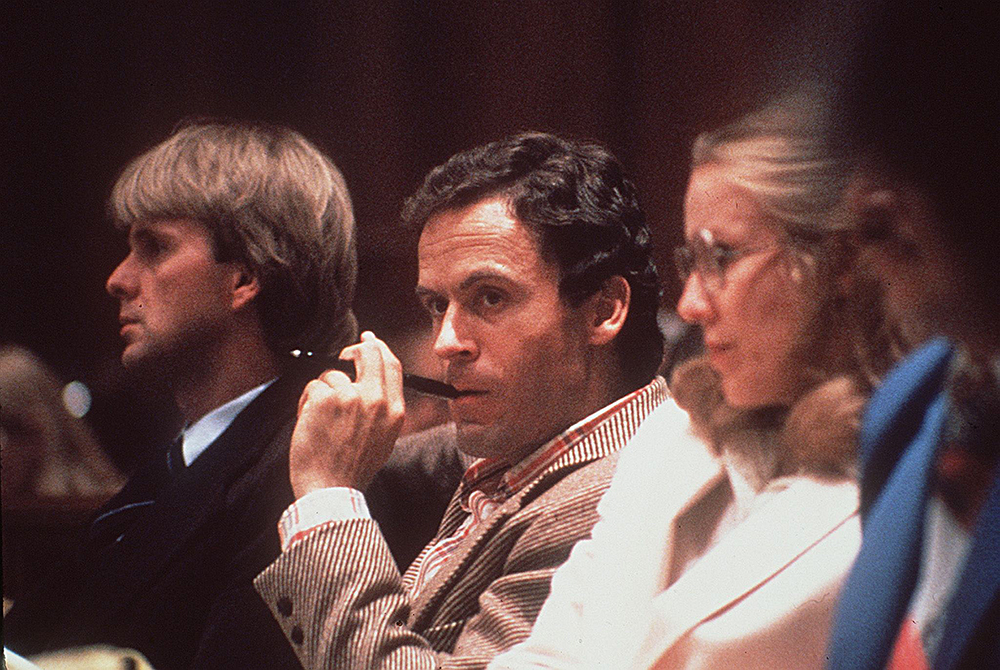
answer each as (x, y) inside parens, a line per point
(197, 437)
(496, 478)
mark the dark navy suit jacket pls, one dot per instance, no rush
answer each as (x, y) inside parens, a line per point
(900, 437)
(173, 578)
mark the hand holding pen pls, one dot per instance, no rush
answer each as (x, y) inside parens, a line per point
(347, 427)
(410, 381)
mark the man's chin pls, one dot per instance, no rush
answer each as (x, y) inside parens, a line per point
(132, 357)
(140, 360)
(476, 439)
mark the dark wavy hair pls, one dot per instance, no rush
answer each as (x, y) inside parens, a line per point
(584, 211)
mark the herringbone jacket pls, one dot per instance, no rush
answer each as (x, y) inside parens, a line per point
(341, 601)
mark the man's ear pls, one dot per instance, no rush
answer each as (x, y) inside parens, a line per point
(245, 287)
(607, 310)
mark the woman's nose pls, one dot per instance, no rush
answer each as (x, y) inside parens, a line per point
(694, 305)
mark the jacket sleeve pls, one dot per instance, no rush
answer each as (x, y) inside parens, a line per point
(341, 602)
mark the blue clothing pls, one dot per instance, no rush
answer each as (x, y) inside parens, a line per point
(900, 438)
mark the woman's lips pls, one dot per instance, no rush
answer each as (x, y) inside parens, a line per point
(718, 352)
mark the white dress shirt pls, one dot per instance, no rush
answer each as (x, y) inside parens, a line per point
(203, 432)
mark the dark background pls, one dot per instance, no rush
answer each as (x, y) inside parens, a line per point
(388, 89)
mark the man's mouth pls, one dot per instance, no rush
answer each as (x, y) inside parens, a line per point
(126, 323)
(468, 397)
(469, 393)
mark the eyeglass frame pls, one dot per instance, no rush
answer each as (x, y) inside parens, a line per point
(701, 254)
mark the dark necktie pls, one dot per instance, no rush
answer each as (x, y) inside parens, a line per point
(138, 495)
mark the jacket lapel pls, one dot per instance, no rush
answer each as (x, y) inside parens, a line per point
(196, 494)
(429, 605)
(772, 537)
(668, 470)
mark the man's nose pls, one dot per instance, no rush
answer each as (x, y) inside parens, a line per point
(453, 338)
(121, 283)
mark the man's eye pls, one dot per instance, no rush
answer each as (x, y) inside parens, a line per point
(147, 246)
(436, 306)
(491, 298)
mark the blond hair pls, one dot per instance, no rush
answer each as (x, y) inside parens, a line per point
(274, 203)
(60, 457)
(781, 157)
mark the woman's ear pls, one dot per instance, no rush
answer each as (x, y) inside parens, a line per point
(608, 310)
(891, 218)
(874, 210)
(245, 287)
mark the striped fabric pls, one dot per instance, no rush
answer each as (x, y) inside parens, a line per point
(342, 603)
(489, 482)
(311, 511)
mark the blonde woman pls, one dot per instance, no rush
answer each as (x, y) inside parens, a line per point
(731, 523)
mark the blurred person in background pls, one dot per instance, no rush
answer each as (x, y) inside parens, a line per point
(55, 474)
(920, 108)
(732, 519)
(50, 456)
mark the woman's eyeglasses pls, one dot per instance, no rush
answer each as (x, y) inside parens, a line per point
(710, 259)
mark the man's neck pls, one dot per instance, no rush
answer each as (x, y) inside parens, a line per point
(601, 391)
(222, 376)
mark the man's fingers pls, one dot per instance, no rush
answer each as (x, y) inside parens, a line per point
(369, 365)
(392, 369)
(390, 389)
(335, 379)
(329, 384)
(346, 429)
(378, 383)
(393, 378)
(378, 372)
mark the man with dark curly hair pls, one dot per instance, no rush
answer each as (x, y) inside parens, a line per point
(535, 267)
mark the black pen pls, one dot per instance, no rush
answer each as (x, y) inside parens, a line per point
(415, 382)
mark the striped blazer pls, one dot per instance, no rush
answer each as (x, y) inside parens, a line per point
(341, 601)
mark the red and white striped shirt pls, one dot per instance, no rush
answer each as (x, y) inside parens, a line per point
(488, 483)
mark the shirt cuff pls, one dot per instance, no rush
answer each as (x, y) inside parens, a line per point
(317, 509)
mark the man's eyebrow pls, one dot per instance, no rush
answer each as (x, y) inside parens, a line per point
(473, 279)
(423, 292)
(484, 276)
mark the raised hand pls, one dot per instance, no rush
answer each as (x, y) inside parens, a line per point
(346, 430)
